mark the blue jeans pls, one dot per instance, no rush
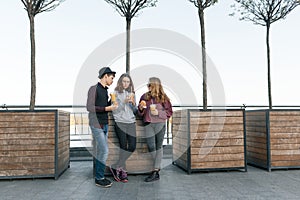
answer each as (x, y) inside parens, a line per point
(101, 150)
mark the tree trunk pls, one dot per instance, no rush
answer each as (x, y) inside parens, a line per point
(33, 77)
(269, 66)
(201, 17)
(128, 27)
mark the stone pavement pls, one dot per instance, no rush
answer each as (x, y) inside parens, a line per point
(78, 183)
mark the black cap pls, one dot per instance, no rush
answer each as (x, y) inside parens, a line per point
(105, 70)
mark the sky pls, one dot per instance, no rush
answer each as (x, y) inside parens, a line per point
(67, 36)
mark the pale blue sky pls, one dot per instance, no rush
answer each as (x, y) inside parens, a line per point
(66, 36)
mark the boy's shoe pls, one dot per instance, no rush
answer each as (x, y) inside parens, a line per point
(103, 183)
(115, 174)
(122, 175)
(154, 176)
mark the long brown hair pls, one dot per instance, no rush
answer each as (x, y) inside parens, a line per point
(119, 88)
(156, 91)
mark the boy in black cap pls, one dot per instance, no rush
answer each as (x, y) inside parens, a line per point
(98, 107)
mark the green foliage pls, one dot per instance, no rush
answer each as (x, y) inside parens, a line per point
(264, 12)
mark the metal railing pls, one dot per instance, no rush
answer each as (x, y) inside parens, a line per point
(80, 131)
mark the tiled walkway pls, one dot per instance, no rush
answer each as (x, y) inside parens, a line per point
(77, 183)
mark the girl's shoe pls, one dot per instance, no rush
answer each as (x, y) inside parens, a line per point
(122, 175)
(154, 176)
(115, 174)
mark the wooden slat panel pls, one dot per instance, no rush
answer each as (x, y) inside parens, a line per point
(180, 114)
(216, 128)
(256, 137)
(259, 129)
(214, 137)
(294, 163)
(139, 161)
(255, 114)
(257, 155)
(285, 113)
(285, 141)
(26, 147)
(216, 158)
(285, 135)
(257, 134)
(285, 152)
(27, 159)
(285, 118)
(26, 124)
(257, 161)
(25, 130)
(293, 157)
(179, 151)
(24, 165)
(285, 146)
(216, 114)
(218, 135)
(218, 150)
(257, 140)
(257, 150)
(284, 123)
(223, 164)
(27, 172)
(256, 123)
(21, 136)
(256, 145)
(28, 142)
(25, 153)
(216, 143)
(216, 120)
(23, 117)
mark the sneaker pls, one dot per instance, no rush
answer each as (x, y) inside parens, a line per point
(103, 183)
(154, 176)
(115, 174)
(122, 175)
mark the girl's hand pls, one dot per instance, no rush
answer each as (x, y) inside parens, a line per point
(154, 112)
(142, 105)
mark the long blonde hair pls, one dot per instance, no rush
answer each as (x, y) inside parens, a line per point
(156, 91)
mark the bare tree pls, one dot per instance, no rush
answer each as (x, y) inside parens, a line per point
(34, 7)
(130, 9)
(264, 13)
(202, 5)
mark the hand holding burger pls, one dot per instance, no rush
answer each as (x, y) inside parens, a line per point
(142, 105)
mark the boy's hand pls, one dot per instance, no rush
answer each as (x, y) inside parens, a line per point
(112, 107)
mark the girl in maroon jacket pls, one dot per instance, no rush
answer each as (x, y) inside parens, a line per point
(155, 108)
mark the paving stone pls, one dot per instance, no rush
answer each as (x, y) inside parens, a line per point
(77, 183)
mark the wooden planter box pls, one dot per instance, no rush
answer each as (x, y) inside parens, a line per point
(273, 138)
(140, 161)
(34, 144)
(209, 140)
